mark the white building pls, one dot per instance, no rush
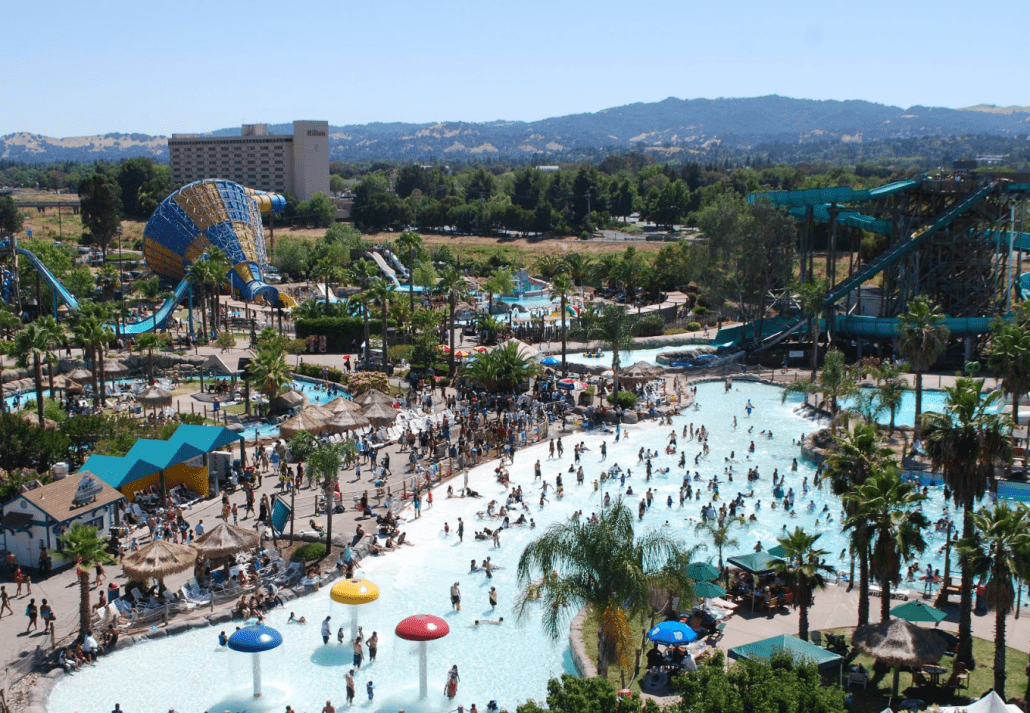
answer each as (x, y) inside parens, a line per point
(36, 518)
(298, 162)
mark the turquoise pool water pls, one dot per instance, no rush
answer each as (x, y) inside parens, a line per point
(511, 662)
(627, 359)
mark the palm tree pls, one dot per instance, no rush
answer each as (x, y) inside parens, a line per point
(453, 285)
(91, 332)
(549, 265)
(324, 464)
(1008, 355)
(328, 271)
(32, 345)
(855, 456)
(362, 274)
(501, 370)
(54, 335)
(6, 348)
(197, 274)
(885, 506)
(149, 342)
(602, 566)
(966, 443)
(614, 328)
(578, 266)
(719, 532)
(561, 289)
(999, 549)
(82, 543)
(380, 291)
(501, 282)
(811, 295)
(803, 572)
(269, 370)
(891, 389)
(218, 267)
(411, 242)
(923, 337)
(835, 382)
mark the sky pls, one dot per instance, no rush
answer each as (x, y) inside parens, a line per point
(73, 68)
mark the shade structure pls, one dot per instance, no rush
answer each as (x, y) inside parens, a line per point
(462, 353)
(991, 703)
(763, 650)
(32, 416)
(708, 590)
(158, 560)
(374, 396)
(60, 381)
(288, 401)
(340, 405)
(113, 367)
(607, 374)
(80, 375)
(481, 350)
(755, 563)
(422, 628)
(898, 643)
(346, 421)
(316, 411)
(72, 387)
(304, 421)
(916, 610)
(778, 551)
(380, 414)
(444, 348)
(154, 396)
(701, 571)
(225, 539)
(672, 633)
(550, 361)
(354, 592)
(254, 640)
(571, 384)
(641, 372)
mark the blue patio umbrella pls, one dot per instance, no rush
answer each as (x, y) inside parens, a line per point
(672, 633)
(255, 639)
(550, 361)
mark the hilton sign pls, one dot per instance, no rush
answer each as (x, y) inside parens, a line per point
(315, 132)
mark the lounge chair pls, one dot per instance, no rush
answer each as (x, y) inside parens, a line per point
(858, 678)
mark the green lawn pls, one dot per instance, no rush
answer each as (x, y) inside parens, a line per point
(874, 697)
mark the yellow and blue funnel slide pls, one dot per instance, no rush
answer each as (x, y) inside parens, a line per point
(217, 213)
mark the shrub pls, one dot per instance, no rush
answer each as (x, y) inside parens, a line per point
(693, 326)
(315, 372)
(649, 325)
(400, 352)
(310, 551)
(626, 399)
(340, 332)
(443, 382)
(362, 381)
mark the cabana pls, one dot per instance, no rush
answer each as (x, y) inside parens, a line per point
(757, 564)
(763, 650)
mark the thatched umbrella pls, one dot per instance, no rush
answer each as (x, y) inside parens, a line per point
(304, 421)
(223, 540)
(319, 412)
(380, 414)
(73, 387)
(80, 375)
(113, 367)
(341, 405)
(374, 396)
(640, 373)
(898, 643)
(154, 396)
(33, 418)
(346, 421)
(158, 560)
(287, 402)
(60, 382)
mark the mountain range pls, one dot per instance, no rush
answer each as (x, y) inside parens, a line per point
(670, 127)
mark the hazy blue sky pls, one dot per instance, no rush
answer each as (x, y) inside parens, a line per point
(73, 68)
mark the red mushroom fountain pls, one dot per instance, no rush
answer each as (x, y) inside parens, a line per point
(422, 628)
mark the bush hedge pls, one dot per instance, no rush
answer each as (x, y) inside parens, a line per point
(310, 551)
(626, 399)
(693, 326)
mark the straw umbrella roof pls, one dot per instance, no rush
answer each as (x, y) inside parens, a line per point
(290, 400)
(158, 560)
(303, 421)
(32, 417)
(346, 421)
(113, 366)
(374, 395)
(641, 372)
(80, 375)
(154, 396)
(225, 539)
(73, 387)
(380, 414)
(60, 381)
(316, 411)
(341, 405)
(898, 643)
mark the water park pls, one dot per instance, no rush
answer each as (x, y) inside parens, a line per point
(366, 506)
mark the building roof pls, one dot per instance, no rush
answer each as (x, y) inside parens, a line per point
(57, 499)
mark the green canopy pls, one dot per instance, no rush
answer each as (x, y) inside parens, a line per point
(707, 590)
(757, 563)
(918, 611)
(763, 650)
(701, 571)
(778, 551)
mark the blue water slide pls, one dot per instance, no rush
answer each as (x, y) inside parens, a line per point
(833, 194)
(163, 312)
(48, 277)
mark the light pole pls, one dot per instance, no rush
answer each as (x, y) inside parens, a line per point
(118, 232)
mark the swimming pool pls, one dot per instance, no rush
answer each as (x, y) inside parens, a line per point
(626, 358)
(933, 400)
(511, 662)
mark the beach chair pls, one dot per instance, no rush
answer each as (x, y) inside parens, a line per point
(858, 678)
(816, 637)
